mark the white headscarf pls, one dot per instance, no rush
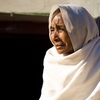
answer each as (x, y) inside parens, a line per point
(75, 76)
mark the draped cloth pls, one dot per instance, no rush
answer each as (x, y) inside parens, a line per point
(97, 19)
(75, 76)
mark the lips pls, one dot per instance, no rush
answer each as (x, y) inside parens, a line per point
(58, 46)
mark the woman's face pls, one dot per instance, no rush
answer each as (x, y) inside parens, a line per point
(59, 36)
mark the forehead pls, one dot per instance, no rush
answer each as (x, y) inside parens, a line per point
(57, 19)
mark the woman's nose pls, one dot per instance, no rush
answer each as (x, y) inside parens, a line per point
(55, 35)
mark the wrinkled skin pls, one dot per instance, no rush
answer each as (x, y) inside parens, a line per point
(59, 36)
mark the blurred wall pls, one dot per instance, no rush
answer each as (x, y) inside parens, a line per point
(44, 6)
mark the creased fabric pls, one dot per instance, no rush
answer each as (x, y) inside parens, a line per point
(75, 76)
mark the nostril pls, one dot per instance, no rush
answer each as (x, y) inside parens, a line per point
(56, 39)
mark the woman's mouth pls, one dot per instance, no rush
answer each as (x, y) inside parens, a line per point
(59, 46)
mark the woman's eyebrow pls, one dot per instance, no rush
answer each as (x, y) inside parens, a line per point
(60, 25)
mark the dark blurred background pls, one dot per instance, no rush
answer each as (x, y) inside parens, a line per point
(23, 43)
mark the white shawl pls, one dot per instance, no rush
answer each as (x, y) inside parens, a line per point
(75, 76)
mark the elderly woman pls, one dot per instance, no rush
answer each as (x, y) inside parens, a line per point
(72, 65)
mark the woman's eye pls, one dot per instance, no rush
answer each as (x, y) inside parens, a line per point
(61, 29)
(52, 30)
